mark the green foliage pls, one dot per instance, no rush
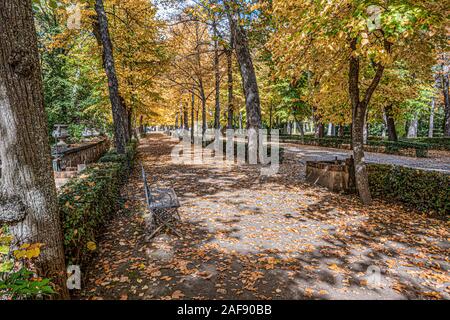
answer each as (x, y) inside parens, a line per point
(22, 284)
(426, 191)
(17, 281)
(87, 201)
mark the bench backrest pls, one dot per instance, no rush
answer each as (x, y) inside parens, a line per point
(148, 194)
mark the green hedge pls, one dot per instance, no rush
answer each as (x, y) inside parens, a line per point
(424, 190)
(435, 143)
(391, 147)
(88, 200)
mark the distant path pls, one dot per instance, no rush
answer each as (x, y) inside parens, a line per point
(251, 237)
(311, 153)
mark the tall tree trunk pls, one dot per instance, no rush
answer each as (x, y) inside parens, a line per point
(330, 130)
(118, 111)
(216, 77)
(192, 116)
(270, 116)
(229, 54)
(390, 123)
(250, 85)
(431, 122)
(445, 88)
(240, 121)
(203, 100)
(412, 129)
(186, 117)
(341, 131)
(320, 130)
(28, 201)
(141, 124)
(129, 125)
(359, 113)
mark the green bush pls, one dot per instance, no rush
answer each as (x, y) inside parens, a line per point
(423, 190)
(391, 147)
(435, 143)
(88, 200)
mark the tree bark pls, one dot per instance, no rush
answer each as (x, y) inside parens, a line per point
(390, 123)
(445, 88)
(250, 85)
(192, 116)
(229, 54)
(431, 122)
(216, 77)
(359, 110)
(320, 130)
(185, 117)
(28, 201)
(203, 99)
(240, 121)
(118, 110)
(412, 129)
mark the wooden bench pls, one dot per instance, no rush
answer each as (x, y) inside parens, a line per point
(163, 205)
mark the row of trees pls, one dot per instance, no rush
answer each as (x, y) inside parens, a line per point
(111, 50)
(115, 62)
(347, 63)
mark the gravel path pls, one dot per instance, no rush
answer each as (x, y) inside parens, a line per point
(311, 153)
(250, 237)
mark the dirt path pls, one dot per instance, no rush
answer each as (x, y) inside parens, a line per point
(249, 237)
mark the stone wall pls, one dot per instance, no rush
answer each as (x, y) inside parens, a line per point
(334, 175)
(83, 154)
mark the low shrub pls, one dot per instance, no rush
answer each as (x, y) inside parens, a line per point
(435, 143)
(423, 190)
(390, 147)
(18, 277)
(88, 200)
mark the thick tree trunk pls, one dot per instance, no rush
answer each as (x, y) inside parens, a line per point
(216, 78)
(359, 113)
(250, 85)
(229, 54)
(28, 201)
(320, 130)
(390, 124)
(118, 111)
(431, 122)
(361, 176)
(445, 88)
(341, 131)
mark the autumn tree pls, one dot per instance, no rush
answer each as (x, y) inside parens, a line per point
(121, 127)
(356, 40)
(235, 11)
(28, 202)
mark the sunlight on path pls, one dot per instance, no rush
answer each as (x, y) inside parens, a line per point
(247, 237)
